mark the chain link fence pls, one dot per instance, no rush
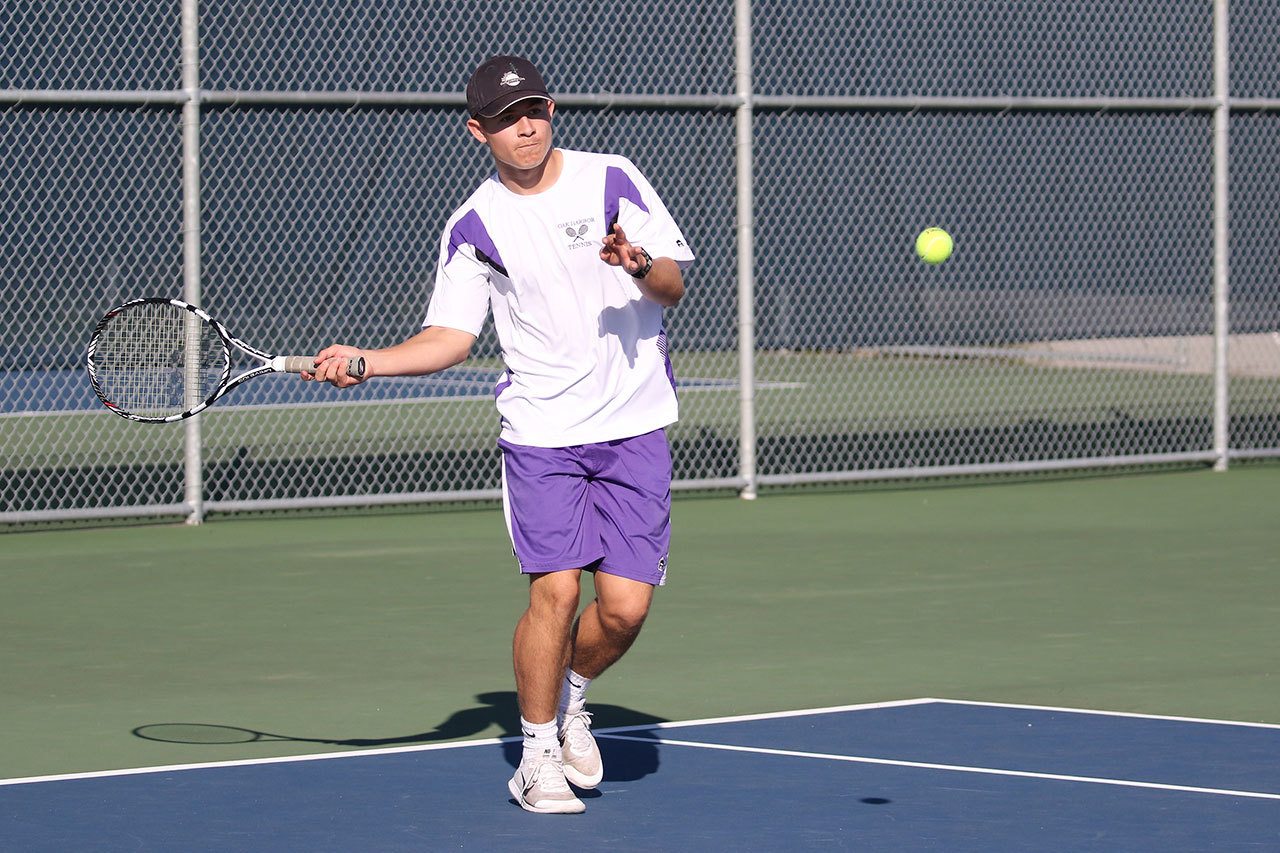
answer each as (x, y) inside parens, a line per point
(1074, 150)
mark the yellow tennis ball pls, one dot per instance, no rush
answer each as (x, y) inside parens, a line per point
(933, 245)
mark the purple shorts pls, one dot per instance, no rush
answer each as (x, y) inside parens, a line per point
(604, 506)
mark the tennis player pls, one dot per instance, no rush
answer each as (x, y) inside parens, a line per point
(576, 256)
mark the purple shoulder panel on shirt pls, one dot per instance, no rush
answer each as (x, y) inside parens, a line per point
(470, 231)
(617, 186)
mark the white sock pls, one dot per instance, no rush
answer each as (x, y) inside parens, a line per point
(573, 695)
(540, 738)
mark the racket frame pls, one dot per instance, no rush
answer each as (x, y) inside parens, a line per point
(270, 363)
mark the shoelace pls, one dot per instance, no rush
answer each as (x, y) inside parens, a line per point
(578, 732)
(550, 777)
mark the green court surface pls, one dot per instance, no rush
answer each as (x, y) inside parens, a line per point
(1155, 593)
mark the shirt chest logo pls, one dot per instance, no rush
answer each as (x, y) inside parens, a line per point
(575, 233)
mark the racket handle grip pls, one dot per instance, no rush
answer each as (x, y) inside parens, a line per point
(305, 363)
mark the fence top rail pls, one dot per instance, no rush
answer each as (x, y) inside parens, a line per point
(606, 100)
(341, 98)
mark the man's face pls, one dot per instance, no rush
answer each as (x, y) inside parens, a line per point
(519, 136)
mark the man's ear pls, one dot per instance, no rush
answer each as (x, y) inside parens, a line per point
(477, 131)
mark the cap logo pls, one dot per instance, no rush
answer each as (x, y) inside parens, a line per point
(511, 78)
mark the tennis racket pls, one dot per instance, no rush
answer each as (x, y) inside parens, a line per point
(159, 360)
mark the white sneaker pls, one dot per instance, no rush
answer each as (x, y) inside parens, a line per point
(539, 786)
(582, 764)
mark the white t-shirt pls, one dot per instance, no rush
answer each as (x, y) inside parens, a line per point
(585, 351)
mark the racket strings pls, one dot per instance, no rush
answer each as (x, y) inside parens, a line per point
(156, 359)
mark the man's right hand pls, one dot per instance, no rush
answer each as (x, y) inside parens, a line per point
(331, 366)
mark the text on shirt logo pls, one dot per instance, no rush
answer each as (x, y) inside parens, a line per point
(577, 231)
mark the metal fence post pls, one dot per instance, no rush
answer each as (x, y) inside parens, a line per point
(746, 282)
(1221, 233)
(192, 443)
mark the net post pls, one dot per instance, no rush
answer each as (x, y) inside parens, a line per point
(193, 452)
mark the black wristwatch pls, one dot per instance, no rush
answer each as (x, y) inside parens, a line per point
(644, 269)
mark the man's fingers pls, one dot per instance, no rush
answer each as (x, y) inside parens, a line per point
(617, 251)
(331, 365)
(332, 369)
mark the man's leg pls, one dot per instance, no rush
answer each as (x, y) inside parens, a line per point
(603, 633)
(610, 624)
(554, 533)
(541, 648)
(540, 652)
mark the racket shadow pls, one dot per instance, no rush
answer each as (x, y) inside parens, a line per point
(623, 761)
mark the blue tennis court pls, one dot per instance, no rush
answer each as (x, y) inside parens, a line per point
(916, 775)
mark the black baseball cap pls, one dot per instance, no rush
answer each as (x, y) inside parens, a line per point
(501, 81)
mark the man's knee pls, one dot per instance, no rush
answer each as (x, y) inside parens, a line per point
(623, 618)
(554, 595)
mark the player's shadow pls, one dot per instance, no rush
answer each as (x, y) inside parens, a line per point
(624, 760)
(625, 325)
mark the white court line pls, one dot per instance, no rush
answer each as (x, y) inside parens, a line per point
(959, 768)
(772, 715)
(247, 762)
(429, 747)
(1107, 713)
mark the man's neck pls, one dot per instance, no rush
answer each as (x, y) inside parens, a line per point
(536, 180)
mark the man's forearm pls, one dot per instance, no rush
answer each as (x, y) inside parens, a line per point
(433, 349)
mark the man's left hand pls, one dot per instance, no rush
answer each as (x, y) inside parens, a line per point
(618, 251)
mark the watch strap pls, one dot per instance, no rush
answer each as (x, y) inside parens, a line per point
(645, 267)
